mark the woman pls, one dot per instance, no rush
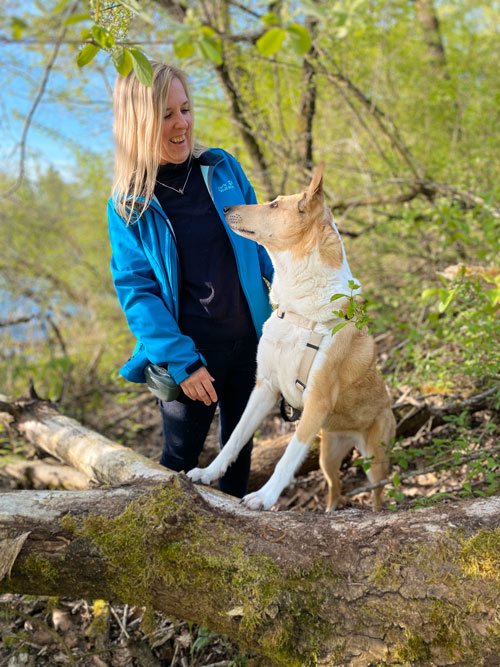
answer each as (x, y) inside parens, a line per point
(193, 291)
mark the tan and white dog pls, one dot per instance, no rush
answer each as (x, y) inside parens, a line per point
(344, 396)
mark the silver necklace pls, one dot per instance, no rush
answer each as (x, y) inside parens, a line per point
(179, 190)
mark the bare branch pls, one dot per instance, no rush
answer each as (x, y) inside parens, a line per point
(19, 320)
(34, 106)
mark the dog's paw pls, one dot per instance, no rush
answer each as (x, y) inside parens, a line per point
(203, 475)
(258, 501)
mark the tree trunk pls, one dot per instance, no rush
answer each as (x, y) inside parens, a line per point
(351, 588)
(429, 22)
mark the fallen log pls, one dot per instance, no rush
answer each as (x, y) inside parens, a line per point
(350, 588)
(45, 474)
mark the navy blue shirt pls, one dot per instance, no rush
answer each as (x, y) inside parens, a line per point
(212, 306)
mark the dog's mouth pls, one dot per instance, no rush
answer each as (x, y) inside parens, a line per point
(242, 230)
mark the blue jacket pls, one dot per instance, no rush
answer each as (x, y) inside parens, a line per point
(146, 274)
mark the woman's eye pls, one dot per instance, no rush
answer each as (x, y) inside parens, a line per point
(185, 111)
(274, 204)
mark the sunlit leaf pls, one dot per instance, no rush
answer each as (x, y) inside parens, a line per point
(142, 67)
(122, 60)
(102, 37)
(77, 18)
(136, 8)
(300, 38)
(60, 6)
(270, 19)
(338, 327)
(271, 41)
(87, 54)
(210, 49)
(183, 49)
(18, 26)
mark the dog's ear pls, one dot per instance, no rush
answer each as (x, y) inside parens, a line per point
(315, 188)
(316, 185)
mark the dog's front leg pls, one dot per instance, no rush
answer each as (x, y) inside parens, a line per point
(295, 453)
(261, 402)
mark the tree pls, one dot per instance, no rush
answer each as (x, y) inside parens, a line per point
(408, 587)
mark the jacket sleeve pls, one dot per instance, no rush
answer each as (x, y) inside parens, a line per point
(140, 297)
(266, 266)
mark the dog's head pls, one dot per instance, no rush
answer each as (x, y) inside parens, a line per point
(294, 222)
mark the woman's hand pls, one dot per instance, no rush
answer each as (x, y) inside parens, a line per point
(199, 387)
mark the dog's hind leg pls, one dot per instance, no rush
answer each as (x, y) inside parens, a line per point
(262, 400)
(334, 448)
(296, 451)
(380, 432)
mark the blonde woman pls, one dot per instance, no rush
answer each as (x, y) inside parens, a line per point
(192, 290)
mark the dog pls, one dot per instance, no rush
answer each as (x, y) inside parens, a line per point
(341, 393)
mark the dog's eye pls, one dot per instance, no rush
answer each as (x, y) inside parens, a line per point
(274, 204)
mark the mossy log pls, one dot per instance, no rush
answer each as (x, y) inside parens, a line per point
(350, 588)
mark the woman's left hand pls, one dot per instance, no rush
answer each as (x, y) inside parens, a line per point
(199, 387)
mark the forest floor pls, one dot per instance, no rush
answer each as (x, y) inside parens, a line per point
(48, 631)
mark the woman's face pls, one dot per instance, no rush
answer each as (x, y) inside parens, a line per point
(176, 127)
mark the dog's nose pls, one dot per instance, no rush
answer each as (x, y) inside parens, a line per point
(226, 209)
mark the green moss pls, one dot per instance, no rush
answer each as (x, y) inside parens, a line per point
(163, 540)
(479, 556)
(413, 650)
(36, 567)
(68, 523)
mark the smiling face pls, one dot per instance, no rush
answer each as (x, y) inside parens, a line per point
(176, 126)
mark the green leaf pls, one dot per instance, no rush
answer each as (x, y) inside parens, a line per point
(136, 8)
(18, 26)
(208, 31)
(338, 327)
(183, 49)
(395, 480)
(271, 41)
(428, 293)
(122, 60)
(60, 6)
(311, 8)
(300, 38)
(77, 18)
(353, 285)
(338, 296)
(350, 310)
(271, 19)
(210, 49)
(446, 298)
(142, 67)
(102, 37)
(87, 54)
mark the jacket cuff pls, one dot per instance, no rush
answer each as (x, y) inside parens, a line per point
(194, 367)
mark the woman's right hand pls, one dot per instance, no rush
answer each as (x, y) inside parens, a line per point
(199, 387)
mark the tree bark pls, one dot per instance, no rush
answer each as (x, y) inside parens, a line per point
(350, 588)
(429, 22)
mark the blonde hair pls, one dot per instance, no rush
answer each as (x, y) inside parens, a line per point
(138, 115)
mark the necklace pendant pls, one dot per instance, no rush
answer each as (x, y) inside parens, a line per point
(181, 192)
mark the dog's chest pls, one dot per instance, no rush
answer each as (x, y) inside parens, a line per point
(279, 355)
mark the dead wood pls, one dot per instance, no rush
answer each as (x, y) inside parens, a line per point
(353, 587)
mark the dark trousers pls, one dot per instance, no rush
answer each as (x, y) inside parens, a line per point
(186, 422)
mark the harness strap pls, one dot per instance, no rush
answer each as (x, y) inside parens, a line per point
(306, 362)
(312, 345)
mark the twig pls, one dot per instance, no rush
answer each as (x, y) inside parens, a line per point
(19, 320)
(423, 471)
(31, 112)
(123, 629)
(6, 612)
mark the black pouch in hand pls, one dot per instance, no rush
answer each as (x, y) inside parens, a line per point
(161, 383)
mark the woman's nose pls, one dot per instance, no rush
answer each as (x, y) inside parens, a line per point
(181, 120)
